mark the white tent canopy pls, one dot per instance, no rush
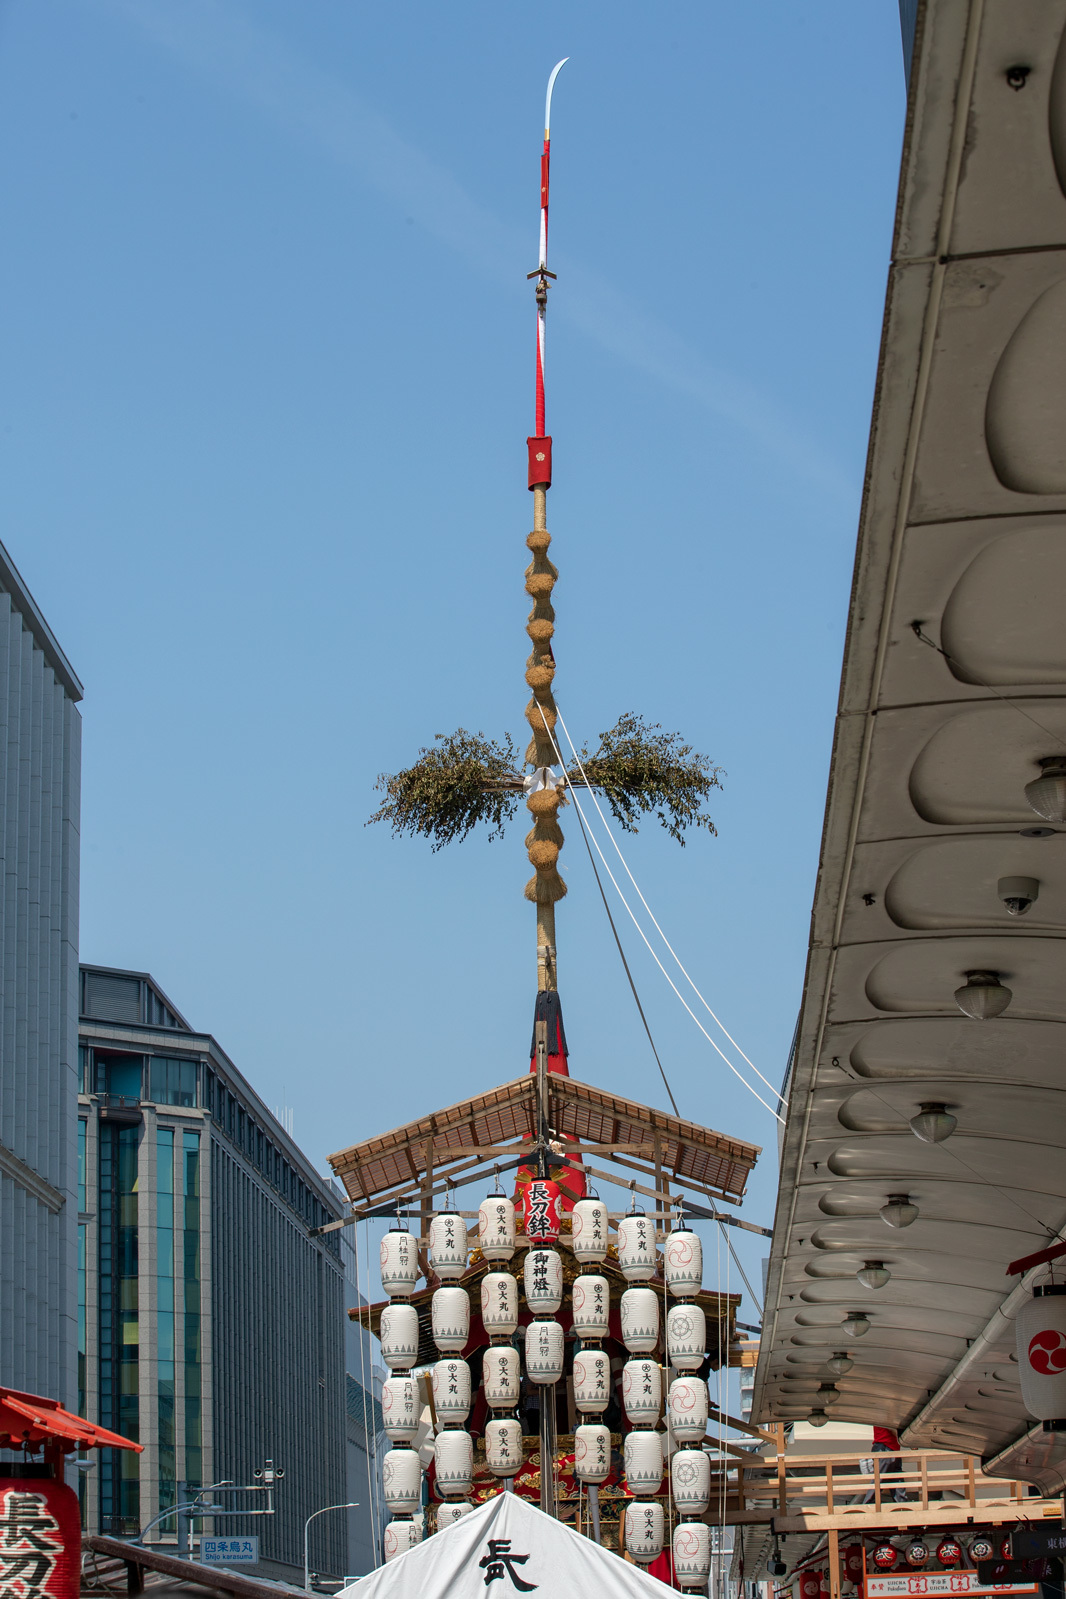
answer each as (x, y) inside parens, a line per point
(507, 1547)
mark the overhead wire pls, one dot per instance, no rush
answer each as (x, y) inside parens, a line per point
(736, 1072)
(585, 834)
(647, 907)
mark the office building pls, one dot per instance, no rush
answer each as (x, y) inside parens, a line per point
(211, 1318)
(40, 756)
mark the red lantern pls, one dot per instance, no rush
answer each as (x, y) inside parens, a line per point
(917, 1553)
(982, 1549)
(824, 1589)
(885, 1557)
(810, 1585)
(541, 1207)
(852, 1559)
(40, 1546)
(948, 1552)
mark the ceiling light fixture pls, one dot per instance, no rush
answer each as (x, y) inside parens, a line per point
(874, 1274)
(934, 1122)
(817, 1418)
(899, 1212)
(828, 1393)
(855, 1324)
(983, 996)
(839, 1363)
(1046, 794)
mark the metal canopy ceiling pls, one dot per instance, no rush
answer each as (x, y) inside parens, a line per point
(963, 529)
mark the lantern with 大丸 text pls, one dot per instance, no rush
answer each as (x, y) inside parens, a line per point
(589, 1235)
(592, 1453)
(636, 1247)
(496, 1228)
(642, 1391)
(644, 1530)
(447, 1246)
(499, 1303)
(451, 1390)
(591, 1304)
(452, 1510)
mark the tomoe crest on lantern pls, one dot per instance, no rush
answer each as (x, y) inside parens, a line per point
(1041, 1347)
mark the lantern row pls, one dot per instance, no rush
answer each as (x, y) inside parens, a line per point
(687, 1397)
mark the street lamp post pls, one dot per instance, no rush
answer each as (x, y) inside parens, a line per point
(352, 1505)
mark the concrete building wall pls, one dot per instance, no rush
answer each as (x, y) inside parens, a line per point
(40, 775)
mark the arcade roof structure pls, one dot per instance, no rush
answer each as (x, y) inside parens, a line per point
(953, 692)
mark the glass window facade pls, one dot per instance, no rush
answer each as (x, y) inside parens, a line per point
(119, 1325)
(164, 1287)
(191, 1260)
(172, 1082)
(82, 1230)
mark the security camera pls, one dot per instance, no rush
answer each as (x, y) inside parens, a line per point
(1017, 893)
(777, 1568)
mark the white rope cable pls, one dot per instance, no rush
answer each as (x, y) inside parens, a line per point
(649, 910)
(736, 1073)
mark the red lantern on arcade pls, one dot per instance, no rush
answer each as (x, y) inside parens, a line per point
(982, 1549)
(542, 1211)
(1040, 1329)
(810, 1584)
(917, 1553)
(851, 1560)
(885, 1557)
(948, 1552)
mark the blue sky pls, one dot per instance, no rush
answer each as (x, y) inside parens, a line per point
(267, 343)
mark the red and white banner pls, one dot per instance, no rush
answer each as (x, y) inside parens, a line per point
(919, 1583)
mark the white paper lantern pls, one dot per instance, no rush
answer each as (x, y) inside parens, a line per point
(452, 1510)
(451, 1390)
(399, 1537)
(644, 1530)
(399, 1262)
(642, 1391)
(686, 1336)
(453, 1451)
(690, 1481)
(543, 1280)
(544, 1351)
(451, 1320)
(401, 1478)
(499, 1303)
(591, 1300)
(496, 1230)
(1040, 1329)
(503, 1446)
(683, 1263)
(643, 1451)
(592, 1453)
(447, 1245)
(640, 1320)
(399, 1336)
(688, 1407)
(692, 1553)
(592, 1380)
(501, 1376)
(636, 1247)
(400, 1408)
(589, 1223)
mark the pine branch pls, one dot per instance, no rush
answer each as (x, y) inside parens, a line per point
(462, 780)
(642, 770)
